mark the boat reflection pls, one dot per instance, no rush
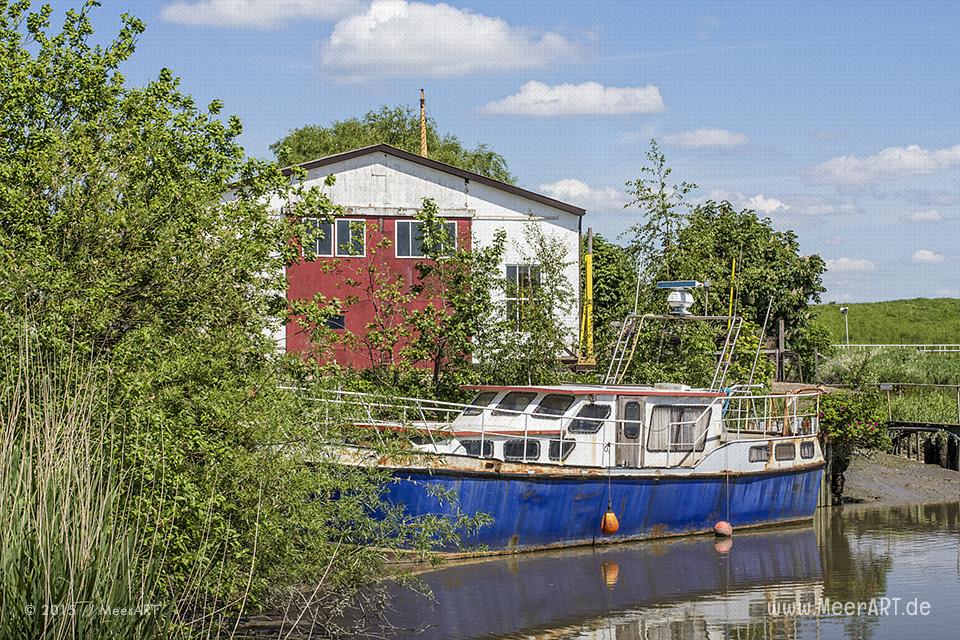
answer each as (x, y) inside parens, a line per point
(685, 588)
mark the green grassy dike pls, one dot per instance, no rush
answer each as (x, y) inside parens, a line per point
(914, 321)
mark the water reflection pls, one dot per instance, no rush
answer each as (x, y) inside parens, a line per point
(757, 585)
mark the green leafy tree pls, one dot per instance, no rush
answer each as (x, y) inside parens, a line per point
(396, 126)
(526, 343)
(118, 246)
(663, 208)
(851, 422)
(614, 288)
(459, 284)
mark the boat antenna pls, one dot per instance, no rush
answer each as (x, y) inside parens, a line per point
(423, 125)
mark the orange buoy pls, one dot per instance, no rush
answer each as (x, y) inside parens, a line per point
(609, 525)
(723, 529)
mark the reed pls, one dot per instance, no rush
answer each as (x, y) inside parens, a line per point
(72, 564)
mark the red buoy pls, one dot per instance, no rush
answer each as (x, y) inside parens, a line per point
(609, 525)
(723, 529)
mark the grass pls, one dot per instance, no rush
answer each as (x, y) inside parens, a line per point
(915, 321)
(72, 567)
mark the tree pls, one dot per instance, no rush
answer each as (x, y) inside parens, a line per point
(614, 288)
(529, 335)
(119, 248)
(396, 126)
(663, 207)
(459, 283)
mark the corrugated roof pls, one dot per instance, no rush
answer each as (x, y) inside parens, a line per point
(439, 166)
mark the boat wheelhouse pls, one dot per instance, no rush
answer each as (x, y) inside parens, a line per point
(546, 461)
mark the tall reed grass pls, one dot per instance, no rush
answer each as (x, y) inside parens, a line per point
(71, 566)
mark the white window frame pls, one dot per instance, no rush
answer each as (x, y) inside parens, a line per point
(311, 251)
(396, 237)
(515, 300)
(337, 243)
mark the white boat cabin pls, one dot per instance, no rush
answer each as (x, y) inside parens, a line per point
(632, 427)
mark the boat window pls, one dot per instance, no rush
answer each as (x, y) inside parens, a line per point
(785, 451)
(759, 454)
(472, 447)
(553, 406)
(807, 450)
(590, 418)
(513, 401)
(560, 449)
(521, 449)
(677, 428)
(478, 403)
(631, 420)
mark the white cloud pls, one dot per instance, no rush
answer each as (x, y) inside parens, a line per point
(539, 99)
(930, 215)
(850, 265)
(925, 256)
(759, 202)
(893, 162)
(766, 205)
(255, 13)
(397, 37)
(581, 194)
(947, 293)
(703, 138)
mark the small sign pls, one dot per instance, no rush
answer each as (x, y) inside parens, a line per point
(886, 386)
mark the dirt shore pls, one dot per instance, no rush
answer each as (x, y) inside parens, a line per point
(882, 478)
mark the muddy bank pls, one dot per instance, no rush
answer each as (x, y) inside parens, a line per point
(883, 478)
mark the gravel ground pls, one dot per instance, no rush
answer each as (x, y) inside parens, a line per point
(883, 478)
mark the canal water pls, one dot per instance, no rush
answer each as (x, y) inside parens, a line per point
(856, 572)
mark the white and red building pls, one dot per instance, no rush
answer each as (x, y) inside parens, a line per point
(383, 187)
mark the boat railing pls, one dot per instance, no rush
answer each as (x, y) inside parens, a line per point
(743, 416)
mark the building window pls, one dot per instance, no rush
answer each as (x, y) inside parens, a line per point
(560, 450)
(759, 454)
(590, 418)
(807, 450)
(521, 281)
(351, 238)
(409, 239)
(319, 239)
(785, 451)
(336, 322)
(521, 449)
(472, 448)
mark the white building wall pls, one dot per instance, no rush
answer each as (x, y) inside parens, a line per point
(383, 184)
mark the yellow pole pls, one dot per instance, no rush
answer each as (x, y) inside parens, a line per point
(423, 125)
(587, 356)
(733, 278)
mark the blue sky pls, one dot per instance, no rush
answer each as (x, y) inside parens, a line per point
(839, 120)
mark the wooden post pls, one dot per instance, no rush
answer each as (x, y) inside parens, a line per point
(781, 343)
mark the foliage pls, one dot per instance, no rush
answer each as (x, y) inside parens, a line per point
(663, 207)
(396, 126)
(864, 367)
(614, 287)
(119, 246)
(460, 282)
(915, 321)
(524, 343)
(851, 422)
(66, 548)
(675, 241)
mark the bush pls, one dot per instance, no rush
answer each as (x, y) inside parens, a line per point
(850, 422)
